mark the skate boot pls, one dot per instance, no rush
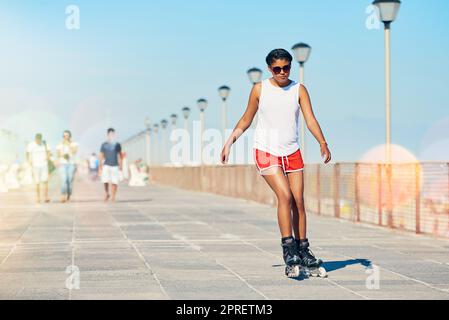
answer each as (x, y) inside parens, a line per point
(291, 258)
(310, 264)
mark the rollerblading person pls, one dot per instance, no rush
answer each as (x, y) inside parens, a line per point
(278, 102)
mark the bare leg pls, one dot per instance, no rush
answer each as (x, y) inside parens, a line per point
(296, 183)
(64, 190)
(38, 193)
(114, 191)
(46, 192)
(106, 189)
(279, 184)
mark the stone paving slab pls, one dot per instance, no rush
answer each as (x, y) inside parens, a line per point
(159, 242)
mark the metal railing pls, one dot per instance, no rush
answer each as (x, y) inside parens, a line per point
(408, 196)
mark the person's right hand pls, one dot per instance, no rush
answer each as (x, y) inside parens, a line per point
(225, 154)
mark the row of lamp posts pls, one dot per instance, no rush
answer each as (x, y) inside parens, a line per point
(388, 10)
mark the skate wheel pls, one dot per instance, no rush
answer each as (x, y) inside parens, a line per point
(322, 272)
(314, 273)
(292, 271)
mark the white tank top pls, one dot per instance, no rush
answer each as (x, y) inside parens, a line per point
(277, 119)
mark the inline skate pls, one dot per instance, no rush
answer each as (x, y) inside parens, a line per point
(291, 258)
(309, 263)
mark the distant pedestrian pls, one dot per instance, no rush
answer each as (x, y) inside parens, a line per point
(93, 164)
(66, 152)
(110, 164)
(38, 156)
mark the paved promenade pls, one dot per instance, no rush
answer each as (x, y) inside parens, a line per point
(158, 242)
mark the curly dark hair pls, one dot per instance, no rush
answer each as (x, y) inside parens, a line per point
(278, 54)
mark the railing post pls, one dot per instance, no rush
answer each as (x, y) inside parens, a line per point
(390, 195)
(318, 197)
(337, 190)
(417, 198)
(356, 192)
(379, 193)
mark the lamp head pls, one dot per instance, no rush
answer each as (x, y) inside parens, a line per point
(223, 91)
(255, 75)
(301, 51)
(388, 9)
(202, 104)
(185, 112)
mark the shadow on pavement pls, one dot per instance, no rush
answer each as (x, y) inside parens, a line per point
(335, 265)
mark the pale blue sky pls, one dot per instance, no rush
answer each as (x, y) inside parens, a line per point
(132, 59)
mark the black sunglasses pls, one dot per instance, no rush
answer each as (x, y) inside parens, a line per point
(285, 68)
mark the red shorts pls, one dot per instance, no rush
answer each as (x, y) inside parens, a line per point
(290, 163)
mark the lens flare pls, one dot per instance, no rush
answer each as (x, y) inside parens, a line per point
(374, 178)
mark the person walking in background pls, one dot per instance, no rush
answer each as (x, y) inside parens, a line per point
(37, 155)
(93, 164)
(110, 164)
(278, 101)
(66, 152)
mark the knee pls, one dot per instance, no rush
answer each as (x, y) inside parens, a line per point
(284, 197)
(299, 201)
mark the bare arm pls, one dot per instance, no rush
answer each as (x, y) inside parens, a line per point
(100, 162)
(120, 160)
(48, 152)
(245, 121)
(312, 123)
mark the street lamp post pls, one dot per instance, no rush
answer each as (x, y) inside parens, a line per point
(255, 76)
(148, 140)
(156, 142)
(173, 118)
(223, 91)
(388, 10)
(186, 113)
(164, 139)
(202, 105)
(301, 52)
(141, 139)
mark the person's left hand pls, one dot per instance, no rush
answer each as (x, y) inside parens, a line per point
(225, 154)
(325, 153)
